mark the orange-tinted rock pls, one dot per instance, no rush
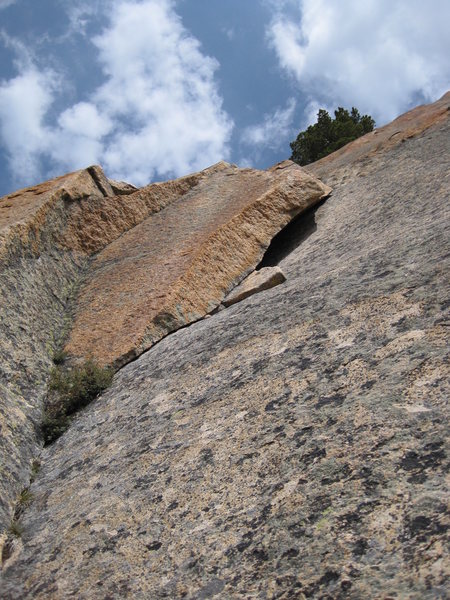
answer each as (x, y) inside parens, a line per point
(82, 211)
(47, 235)
(35, 217)
(176, 266)
(95, 222)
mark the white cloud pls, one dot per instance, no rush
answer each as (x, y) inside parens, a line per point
(84, 119)
(81, 130)
(157, 113)
(23, 57)
(6, 3)
(24, 102)
(378, 55)
(168, 111)
(273, 130)
(79, 17)
(270, 134)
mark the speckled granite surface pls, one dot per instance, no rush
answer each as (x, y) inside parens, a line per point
(47, 234)
(131, 265)
(291, 446)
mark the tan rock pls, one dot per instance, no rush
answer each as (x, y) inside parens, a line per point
(82, 211)
(178, 265)
(258, 281)
(93, 223)
(122, 188)
(47, 234)
(31, 219)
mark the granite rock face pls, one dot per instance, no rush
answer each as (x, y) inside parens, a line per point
(48, 234)
(177, 266)
(294, 445)
(38, 274)
(131, 264)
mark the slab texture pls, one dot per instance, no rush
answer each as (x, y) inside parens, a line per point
(177, 265)
(48, 234)
(294, 445)
(143, 268)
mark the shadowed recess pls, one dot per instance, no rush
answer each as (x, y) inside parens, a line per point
(290, 237)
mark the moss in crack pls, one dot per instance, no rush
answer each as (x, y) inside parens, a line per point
(25, 498)
(15, 529)
(59, 357)
(69, 390)
(35, 467)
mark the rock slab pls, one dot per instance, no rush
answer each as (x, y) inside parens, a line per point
(177, 265)
(48, 234)
(258, 281)
(143, 268)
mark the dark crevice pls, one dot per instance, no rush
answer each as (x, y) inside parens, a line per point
(93, 173)
(290, 237)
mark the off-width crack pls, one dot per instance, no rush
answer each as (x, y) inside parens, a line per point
(288, 239)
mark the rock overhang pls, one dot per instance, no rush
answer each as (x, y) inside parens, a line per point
(177, 265)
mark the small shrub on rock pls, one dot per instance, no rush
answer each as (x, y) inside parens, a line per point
(59, 357)
(69, 390)
(15, 529)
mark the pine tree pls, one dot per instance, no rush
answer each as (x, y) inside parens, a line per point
(328, 135)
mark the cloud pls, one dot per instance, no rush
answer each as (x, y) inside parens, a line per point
(80, 16)
(81, 130)
(24, 102)
(157, 112)
(160, 93)
(6, 3)
(378, 55)
(273, 130)
(259, 142)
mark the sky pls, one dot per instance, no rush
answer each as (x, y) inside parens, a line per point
(156, 89)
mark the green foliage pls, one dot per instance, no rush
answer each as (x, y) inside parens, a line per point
(15, 529)
(54, 426)
(69, 390)
(59, 357)
(25, 498)
(328, 135)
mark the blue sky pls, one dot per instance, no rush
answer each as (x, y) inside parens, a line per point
(154, 89)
